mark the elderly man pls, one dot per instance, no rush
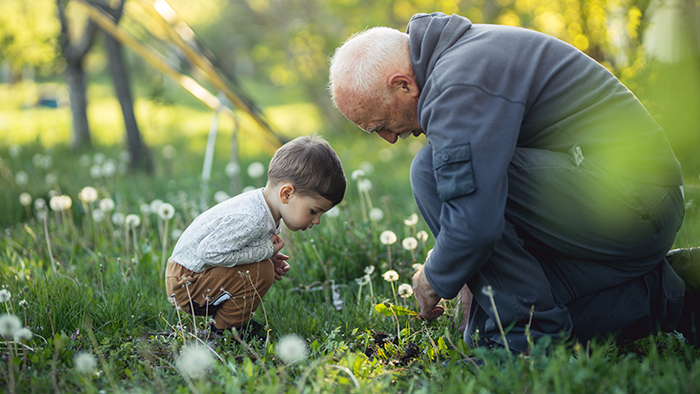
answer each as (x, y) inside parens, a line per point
(550, 190)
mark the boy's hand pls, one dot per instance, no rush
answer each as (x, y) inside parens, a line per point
(277, 243)
(281, 265)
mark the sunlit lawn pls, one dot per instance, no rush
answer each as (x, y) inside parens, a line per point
(89, 288)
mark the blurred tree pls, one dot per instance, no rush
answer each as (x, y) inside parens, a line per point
(74, 51)
(140, 157)
(28, 36)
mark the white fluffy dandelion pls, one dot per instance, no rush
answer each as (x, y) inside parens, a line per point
(166, 211)
(409, 243)
(118, 219)
(422, 236)
(369, 270)
(88, 194)
(22, 335)
(391, 276)
(387, 237)
(256, 170)
(132, 220)
(363, 280)
(85, 363)
(291, 349)
(364, 185)
(376, 214)
(194, 361)
(39, 204)
(221, 196)
(333, 212)
(405, 290)
(107, 204)
(232, 169)
(21, 178)
(357, 174)
(98, 215)
(25, 199)
(411, 220)
(9, 323)
(5, 295)
(169, 152)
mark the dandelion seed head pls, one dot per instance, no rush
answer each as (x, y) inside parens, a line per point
(118, 219)
(376, 214)
(9, 323)
(391, 276)
(487, 291)
(369, 270)
(411, 220)
(221, 196)
(108, 169)
(364, 185)
(22, 335)
(367, 167)
(232, 169)
(21, 178)
(405, 290)
(25, 199)
(357, 174)
(50, 179)
(39, 204)
(387, 237)
(194, 361)
(95, 171)
(99, 158)
(15, 151)
(132, 221)
(85, 362)
(256, 170)
(98, 215)
(88, 194)
(422, 236)
(5, 295)
(416, 266)
(60, 203)
(166, 211)
(23, 304)
(409, 243)
(107, 205)
(291, 349)
(155, 205)
(362, 280)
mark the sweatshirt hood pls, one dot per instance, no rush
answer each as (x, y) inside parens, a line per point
(430, 35)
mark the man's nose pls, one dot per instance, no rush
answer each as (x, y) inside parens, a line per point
(388, 136)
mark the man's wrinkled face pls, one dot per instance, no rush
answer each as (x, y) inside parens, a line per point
(390, 116)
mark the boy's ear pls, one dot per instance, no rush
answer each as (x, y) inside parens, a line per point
(286, 192)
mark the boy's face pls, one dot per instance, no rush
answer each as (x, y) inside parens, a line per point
(301, 212)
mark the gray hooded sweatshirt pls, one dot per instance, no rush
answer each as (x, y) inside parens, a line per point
(487, 89)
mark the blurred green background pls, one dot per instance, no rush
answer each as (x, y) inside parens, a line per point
(276, 52)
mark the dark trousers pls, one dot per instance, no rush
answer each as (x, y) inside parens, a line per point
(583, 248)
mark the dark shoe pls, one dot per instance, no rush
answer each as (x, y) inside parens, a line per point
(686, 263)
(251, 330)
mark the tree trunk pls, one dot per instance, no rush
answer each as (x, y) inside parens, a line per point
(140, 158)
(74, 53)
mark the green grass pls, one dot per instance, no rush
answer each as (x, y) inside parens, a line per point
(100, 302)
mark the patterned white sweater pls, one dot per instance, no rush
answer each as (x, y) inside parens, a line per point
(234, 232)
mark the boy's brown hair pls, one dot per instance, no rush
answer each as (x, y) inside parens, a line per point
(312, 166)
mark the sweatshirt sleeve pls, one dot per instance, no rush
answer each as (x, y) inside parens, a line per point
(473, 136)
(236, 240)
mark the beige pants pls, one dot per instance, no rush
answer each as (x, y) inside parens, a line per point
(229, 294)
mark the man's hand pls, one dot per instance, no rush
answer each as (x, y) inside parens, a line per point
(277, 243)
(426, 296)
(281, 266)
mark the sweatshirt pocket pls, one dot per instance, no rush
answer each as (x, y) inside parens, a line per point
(453, 171)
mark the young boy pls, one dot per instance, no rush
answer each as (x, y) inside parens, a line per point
(228, 257)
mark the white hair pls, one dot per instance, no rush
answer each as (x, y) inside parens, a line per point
(358, 65)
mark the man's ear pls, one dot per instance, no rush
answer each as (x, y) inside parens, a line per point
(405, 83)
(286, 192)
